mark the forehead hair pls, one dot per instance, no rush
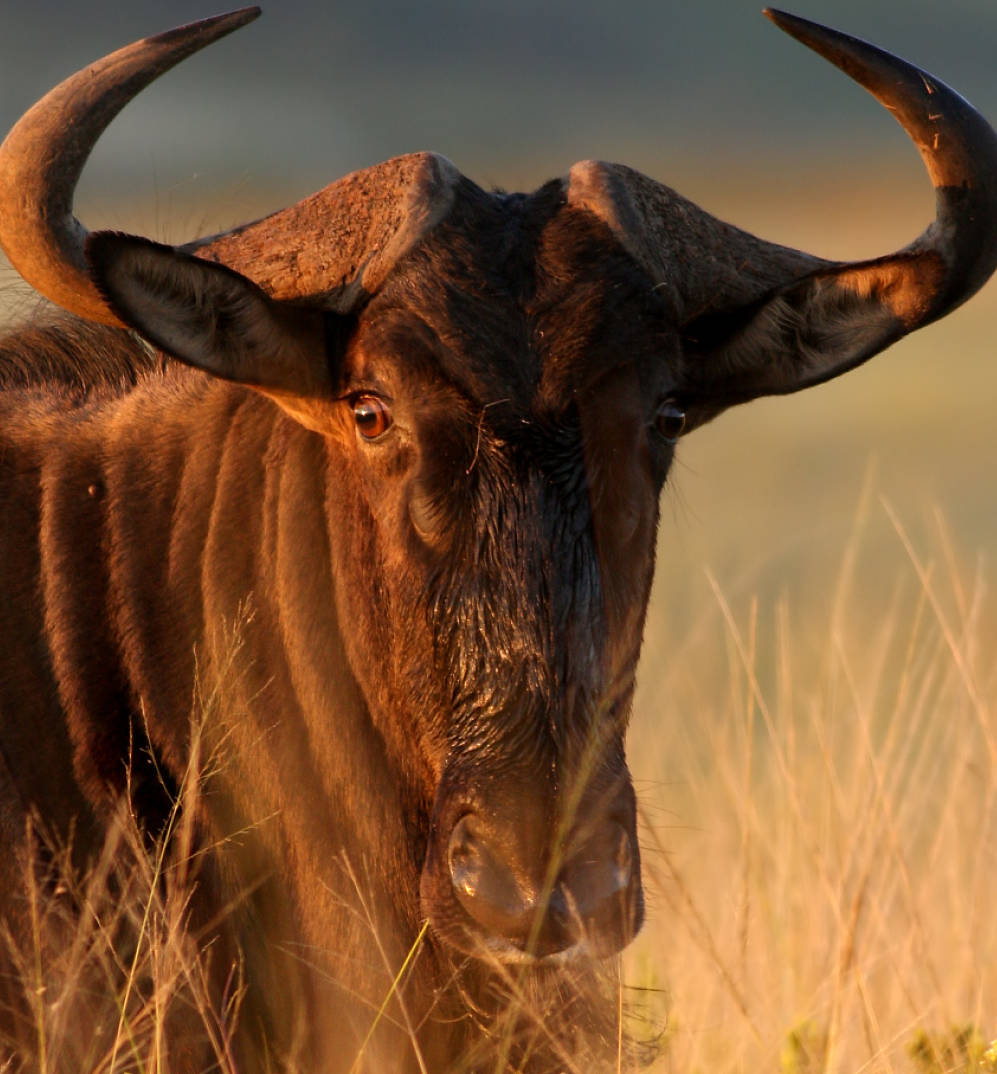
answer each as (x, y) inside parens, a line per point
(524, 298)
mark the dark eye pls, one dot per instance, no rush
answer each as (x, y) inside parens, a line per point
(670, 421)
(372, 415)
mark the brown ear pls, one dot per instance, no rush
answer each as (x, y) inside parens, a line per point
(208, 316)
(761, 319)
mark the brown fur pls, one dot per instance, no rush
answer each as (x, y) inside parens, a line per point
(175, 537)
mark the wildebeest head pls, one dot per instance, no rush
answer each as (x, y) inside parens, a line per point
(502, 379)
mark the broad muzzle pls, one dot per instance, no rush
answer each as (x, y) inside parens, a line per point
(516, 878)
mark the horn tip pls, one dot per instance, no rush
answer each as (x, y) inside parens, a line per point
(791, 24)
(239, 17)
(213, 27)
(246, 14)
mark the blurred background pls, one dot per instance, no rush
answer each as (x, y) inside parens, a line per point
(824, 559)
(513, 91)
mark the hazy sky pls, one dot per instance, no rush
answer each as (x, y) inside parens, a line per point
(513, 91)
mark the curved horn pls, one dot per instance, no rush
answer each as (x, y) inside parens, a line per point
(43, 156)
(959, 149)
(764, 319)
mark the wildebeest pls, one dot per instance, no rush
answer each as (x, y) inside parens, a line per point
(380, 474)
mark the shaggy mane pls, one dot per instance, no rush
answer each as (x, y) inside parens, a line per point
(79, 357)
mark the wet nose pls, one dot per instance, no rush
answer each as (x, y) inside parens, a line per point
(545, 903)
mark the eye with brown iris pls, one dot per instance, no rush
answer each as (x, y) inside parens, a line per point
(670, 421)
(372, 416)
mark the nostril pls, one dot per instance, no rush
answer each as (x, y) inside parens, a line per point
(600, 872)
(485, 884)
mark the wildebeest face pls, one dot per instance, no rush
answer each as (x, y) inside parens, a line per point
(508, 456)
(500, 418)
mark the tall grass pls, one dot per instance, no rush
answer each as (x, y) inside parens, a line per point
(820, 821)
(112, 977)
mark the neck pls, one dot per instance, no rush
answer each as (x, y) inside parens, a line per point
(189, 570)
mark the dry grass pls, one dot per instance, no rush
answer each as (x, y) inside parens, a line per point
(820, 830)
(113, 979)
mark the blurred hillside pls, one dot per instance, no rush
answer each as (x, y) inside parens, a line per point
(513, 92)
